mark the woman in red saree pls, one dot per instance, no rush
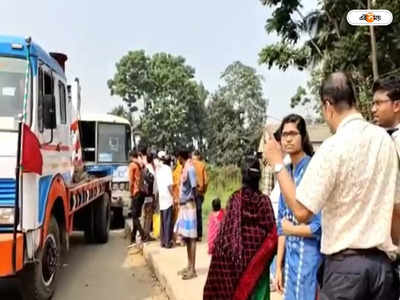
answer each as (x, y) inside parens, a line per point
(245, 245)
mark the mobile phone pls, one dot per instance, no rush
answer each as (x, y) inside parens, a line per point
(277, 135)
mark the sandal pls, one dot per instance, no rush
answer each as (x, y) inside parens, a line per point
(183, 271)
(189, 275)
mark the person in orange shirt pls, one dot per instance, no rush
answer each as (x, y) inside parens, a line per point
(134, 173)
(202, 182)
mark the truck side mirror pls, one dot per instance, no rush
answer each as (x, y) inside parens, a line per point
(49, 112)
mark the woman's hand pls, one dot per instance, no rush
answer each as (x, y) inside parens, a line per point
(279, 280)
(287, 227)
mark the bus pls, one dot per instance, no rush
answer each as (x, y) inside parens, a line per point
(107, 140)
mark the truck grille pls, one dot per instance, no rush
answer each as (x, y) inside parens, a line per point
(7, 192)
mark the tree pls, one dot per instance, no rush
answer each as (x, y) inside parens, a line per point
(171, 96)
(236, 115)
(120, 111)
(332, 45)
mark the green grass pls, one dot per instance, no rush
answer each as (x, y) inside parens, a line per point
(223, 181)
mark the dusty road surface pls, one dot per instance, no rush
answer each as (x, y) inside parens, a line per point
(99, 272)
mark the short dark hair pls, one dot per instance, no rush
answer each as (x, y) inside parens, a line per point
(216, 204)
(149, 157)
(197, 153)
(166, 160)
(390, 84)
(302, 127)
(143, 150)
(133, 153)
(339, 88)
(184, 154)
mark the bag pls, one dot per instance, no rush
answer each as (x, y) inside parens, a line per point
(156, 226)
(142, 186)
(148, 182)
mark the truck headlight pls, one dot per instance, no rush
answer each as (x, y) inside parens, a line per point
(6, 215)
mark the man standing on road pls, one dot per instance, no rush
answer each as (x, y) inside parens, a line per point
(149, 199)
(386, 113)
(202, 182)
(186, 225)
(164, 183)
(134, 172)
(352, 179)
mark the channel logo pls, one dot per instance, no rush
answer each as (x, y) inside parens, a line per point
(373, 17)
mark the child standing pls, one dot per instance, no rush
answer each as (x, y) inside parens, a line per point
(214, 222)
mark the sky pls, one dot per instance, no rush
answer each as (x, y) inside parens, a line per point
(210, 34)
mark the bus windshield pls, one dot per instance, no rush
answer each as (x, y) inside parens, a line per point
(113, 143)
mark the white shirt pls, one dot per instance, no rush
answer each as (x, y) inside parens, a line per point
(164, 180)
(396, 138)
(353, 180)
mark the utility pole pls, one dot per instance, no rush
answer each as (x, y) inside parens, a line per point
(373, 46)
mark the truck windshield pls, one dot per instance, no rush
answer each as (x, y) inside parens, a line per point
(12, 88)
(113, 143)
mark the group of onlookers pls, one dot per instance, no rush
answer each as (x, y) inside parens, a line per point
(337, 229)
(178, 195)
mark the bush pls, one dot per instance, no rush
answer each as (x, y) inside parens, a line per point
(223, 181)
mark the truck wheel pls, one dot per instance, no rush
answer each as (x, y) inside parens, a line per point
(102, 214)
(89, 224)
(39, 279)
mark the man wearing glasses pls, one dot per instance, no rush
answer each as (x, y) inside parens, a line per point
(386, 113)
(386, 106)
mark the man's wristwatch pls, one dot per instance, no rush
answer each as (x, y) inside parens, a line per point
(278, 168)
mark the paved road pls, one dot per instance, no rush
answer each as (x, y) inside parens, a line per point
(99, 272)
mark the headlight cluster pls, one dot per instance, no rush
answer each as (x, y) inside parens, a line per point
(6, 215)
(120, 186)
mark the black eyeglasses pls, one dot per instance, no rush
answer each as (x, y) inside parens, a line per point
(290, 134)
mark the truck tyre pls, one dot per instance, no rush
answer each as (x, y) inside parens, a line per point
(38, 279)
(102, 214)
(89, 224)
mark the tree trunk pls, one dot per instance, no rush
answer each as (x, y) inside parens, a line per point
(373, 48)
